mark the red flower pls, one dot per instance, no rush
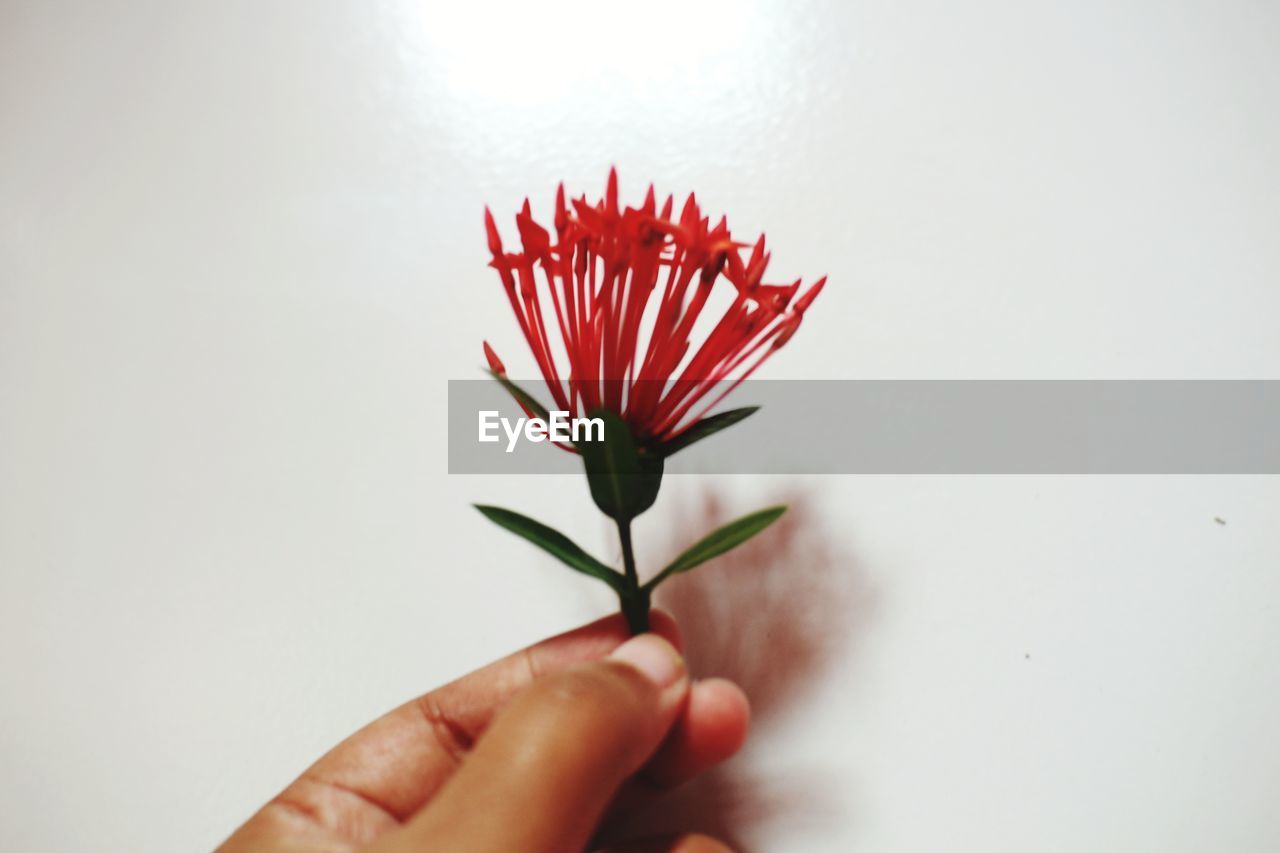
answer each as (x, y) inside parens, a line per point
(604, 269)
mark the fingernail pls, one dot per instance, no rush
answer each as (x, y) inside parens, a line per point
(653, 656)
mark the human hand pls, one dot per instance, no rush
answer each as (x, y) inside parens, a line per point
(532, 753)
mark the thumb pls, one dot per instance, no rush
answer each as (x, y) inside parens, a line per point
(542, 775)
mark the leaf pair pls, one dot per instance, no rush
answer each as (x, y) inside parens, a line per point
(625, 479)
(714, 544)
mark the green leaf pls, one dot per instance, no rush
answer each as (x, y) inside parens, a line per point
(553, 542)
(703, 428)
(720, 540)
(624, 480)
(521, 396)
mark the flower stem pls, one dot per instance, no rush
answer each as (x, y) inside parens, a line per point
(633, 597)
(628, 556)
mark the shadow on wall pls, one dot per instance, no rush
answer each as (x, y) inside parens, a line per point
(773, 616)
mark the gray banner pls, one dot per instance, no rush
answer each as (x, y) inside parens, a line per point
(935, 427)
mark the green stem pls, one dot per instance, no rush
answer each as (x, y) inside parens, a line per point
(633, 598)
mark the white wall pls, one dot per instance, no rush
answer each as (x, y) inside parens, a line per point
(241, 253)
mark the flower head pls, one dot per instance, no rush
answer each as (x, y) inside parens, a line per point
(623, 289)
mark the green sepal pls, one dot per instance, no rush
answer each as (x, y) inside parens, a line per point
(521, 396)
(624, 480)
(720, 540)
(554, 543)
(703, 428)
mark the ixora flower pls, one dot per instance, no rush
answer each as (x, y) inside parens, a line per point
(621, 291)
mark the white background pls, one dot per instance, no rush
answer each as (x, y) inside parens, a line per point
(241, 253)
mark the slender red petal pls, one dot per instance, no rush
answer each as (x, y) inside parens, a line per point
(611, 193)
(495, 363)
(562, 213)
(491, 229)
(811, 294)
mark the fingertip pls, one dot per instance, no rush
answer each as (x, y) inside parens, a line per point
(719, 716)
(712, 728)
(588, 642)
(653, 657)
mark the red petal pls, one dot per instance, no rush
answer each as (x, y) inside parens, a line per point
(611, 193)
(535, 238)
(812, 293)
(491, 228)
(562, 214)
(495, 363)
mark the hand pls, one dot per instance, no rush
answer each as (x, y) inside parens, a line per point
(531, 753)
